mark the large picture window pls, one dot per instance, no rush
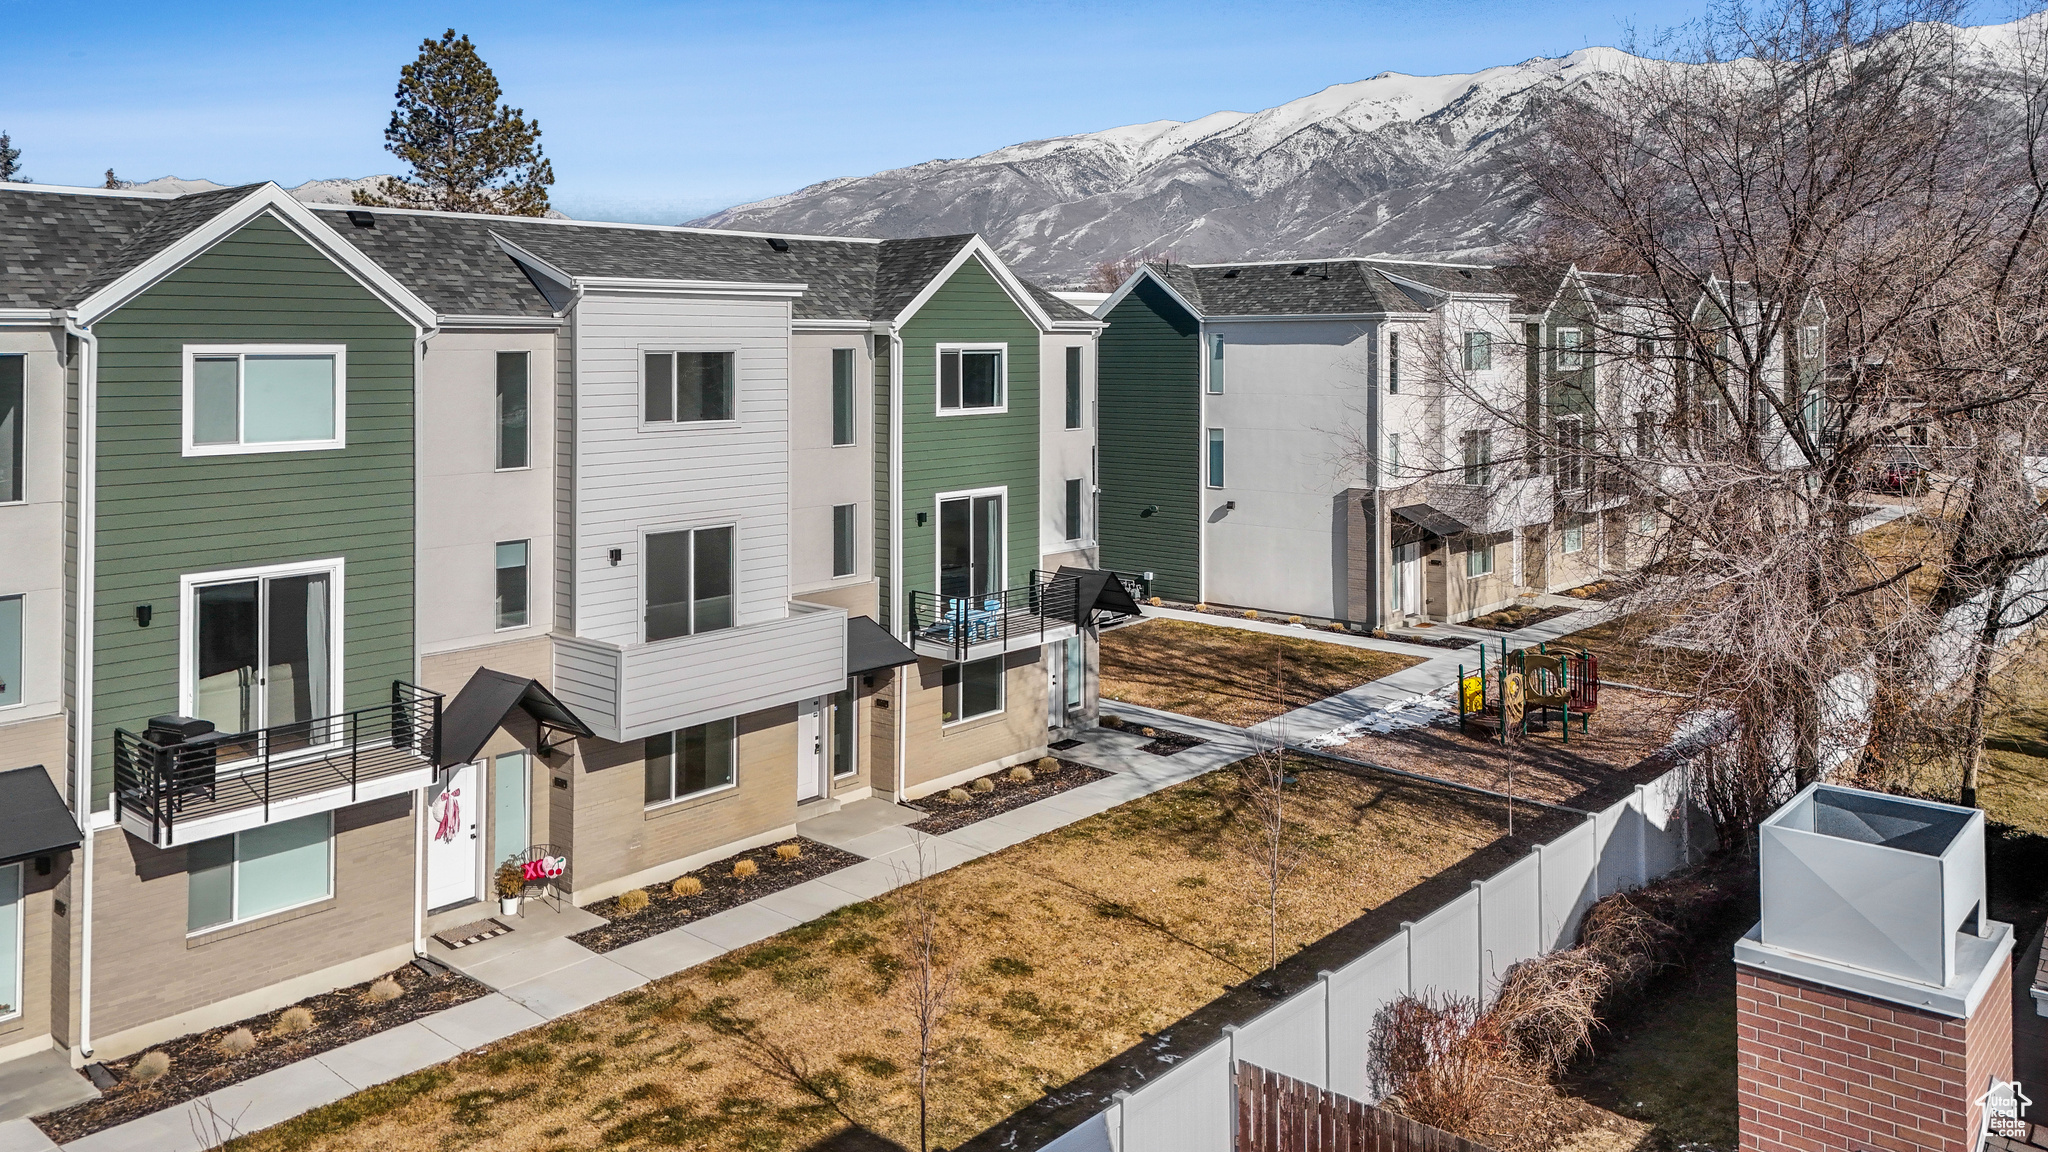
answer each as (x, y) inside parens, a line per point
(13, 426)
(689, 387)
(971, 378)
(689, 582)
(690, 762)
(973, 689)
(263, 398)
(261, 651)
(512, 404)
(255, 873)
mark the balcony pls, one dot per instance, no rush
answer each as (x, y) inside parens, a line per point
(958, 628)
(628, 692)
(172, 791)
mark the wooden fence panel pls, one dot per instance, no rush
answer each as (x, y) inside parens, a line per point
(1277, 1113)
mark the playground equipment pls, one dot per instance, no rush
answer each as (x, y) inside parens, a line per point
(1528, 688)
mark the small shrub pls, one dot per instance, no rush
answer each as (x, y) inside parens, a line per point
(1251, 613)
(741, 869)
(511, 880)
(957, 795)
(686, 886)
(293, 1020)
(1155, 601)
(235, 1043)
(1019, 775)
(1149, 732)
(150, 1068)
(1201, 607)
(1294, 619)
(983, 785)
(789, 852)
(632, 902)
(1046, 766)
(385, 990)
(1340, 628)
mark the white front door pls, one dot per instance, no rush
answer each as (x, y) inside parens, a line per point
(812, 763)
(1408, 579)
(452, 869)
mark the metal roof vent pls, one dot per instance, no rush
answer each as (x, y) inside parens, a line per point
(1299, 270)
(1230, 275)
(362, 219)
(779, 244)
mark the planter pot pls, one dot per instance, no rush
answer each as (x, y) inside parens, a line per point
(508, 905)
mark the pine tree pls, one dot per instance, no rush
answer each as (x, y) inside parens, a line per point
(10, 162)
(113, 181)
(468, 152)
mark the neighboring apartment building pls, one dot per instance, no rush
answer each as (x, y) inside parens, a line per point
(353, 552)
(1333, 438)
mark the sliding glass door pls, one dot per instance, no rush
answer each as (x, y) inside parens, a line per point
(971, 546)
(263, 655)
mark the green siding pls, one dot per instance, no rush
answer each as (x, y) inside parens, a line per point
(162, 515)
(970, 451)
(1149, 385)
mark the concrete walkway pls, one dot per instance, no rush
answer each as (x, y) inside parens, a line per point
(546, 975)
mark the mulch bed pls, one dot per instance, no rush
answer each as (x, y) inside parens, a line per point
(198, 1066)
(722, 890)
(1168, 743)
(1434, 641)
(1008, 794)
(1509, 619)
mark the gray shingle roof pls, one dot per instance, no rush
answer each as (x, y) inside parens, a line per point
(57, 248)
(1346, 287)
(906, 266)
(450, 262)
(1054, 307)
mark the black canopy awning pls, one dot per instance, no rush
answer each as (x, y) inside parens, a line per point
(1101, 590)
(1432, 519)
(482, 705)
(869, 648)
(33, 817)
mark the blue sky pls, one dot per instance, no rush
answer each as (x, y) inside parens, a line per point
(662, 112)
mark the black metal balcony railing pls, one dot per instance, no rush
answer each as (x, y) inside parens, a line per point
(1001, 620)
(166, 781)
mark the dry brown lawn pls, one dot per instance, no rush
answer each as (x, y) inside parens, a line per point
(2013, 787)
(1227, 674)
(1066, 951)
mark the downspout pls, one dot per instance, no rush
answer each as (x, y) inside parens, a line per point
(82, 680)
(896, 597)
(419, 803)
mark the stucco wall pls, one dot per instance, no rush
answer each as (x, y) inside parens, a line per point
(822, 474)
(33, 530)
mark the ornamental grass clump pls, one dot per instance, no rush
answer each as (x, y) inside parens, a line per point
(685, 886)
(1047, 766)
(984, 784)
(385, 990)
(742, 869)
(1019, 775)
(789, 852)
(633, 902)
(150, 1068)
(236, 1042)
(293, 1020)
(958, 795)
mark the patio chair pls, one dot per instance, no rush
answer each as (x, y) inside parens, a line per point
(548, 887)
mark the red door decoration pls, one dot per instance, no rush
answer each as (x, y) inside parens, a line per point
(448, 814)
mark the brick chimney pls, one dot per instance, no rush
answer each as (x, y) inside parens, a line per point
(1873, 1000)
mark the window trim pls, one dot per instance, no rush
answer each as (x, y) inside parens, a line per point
(640, 577)
(1481, 341)
(16, 994)
(1002, 350)
(498, 415)
(235, 917)
(21, 429)
(1001, 563)
(1571, 358)
(1471, 551)
(22, 597)
(673, 800)
(1002, 707)
(1809, 349)
(640, 354)
(852, 397)
(192, 352)
(188, 625)
(1213, 368)
(496, 568)
(1564, 538)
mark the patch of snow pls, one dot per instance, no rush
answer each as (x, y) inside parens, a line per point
(1401, 716)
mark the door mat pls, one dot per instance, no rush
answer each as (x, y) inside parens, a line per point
(1063, 745)
(475, 933)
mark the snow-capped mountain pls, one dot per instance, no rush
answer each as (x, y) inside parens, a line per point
(311, 192)
(1414, 165)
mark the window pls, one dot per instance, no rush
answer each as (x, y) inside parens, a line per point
(971, 545)
(1074, 525)
(10, 650)
(1646, 523)
(973, 689)
(512, 584)
(1215, 457)
(1393, 454)
(1478, 351)
(1073, 387)
(1646, 433)
(1810, 412)
(1571, 457)
(1646, 348)
(844, 539)
(690, 762)
(262, 651)
(1573, 537)
(845, 749)
(689, 582)
(249, 874)
(1570, 357)
(13, 418)
(263, 398)
(971, 379)
(1478, 559)
(10, 941)
(511, 800)
(1809, 341)
(842, 396)
(1216, 365)
(512, 448)
(689, 387)
(1393, 364)
(1478, 457)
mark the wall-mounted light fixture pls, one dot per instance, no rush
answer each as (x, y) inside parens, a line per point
(616, 554)
(1229, 504)
(1149, 510)
(142, 614)
(920, 519)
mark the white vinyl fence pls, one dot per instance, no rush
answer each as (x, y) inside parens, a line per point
(1319, 1034)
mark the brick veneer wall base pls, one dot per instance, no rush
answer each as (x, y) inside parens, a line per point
(1822, 1070)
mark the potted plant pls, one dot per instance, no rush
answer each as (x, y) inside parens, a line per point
(511, 885)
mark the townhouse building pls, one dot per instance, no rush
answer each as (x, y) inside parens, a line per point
(356, 551)
(1337, 438)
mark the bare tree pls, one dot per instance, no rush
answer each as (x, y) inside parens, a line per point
(927, 992)
(1273, 841)
(1109, 275)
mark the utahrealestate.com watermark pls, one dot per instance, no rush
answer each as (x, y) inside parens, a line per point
(2005, 1109)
